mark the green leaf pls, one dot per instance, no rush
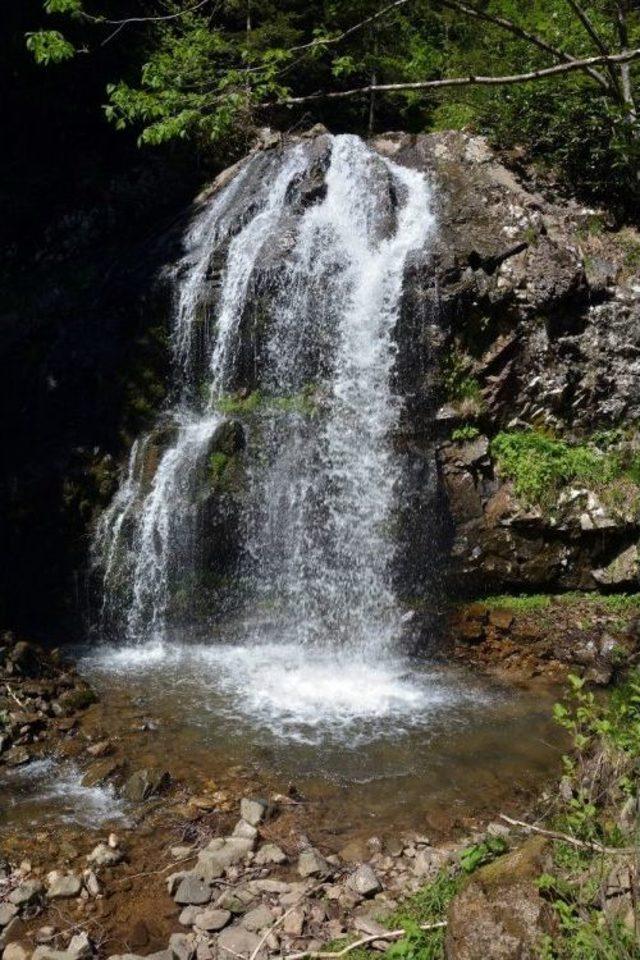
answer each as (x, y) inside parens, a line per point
(49, 46)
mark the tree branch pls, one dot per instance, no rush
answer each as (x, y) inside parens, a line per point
(575, 65)
(391, 935)
(319, 42)
(519, 31)
(596, 38)
(127, 20)
(567, 838)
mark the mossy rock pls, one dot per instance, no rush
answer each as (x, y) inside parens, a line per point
(499, 913)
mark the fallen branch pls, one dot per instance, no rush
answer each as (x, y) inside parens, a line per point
(559, 68)
(281, 919)
(557, 835)
(391, 935)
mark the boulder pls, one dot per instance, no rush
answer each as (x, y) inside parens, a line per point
(499, 913)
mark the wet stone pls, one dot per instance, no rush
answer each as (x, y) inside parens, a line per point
(104, 856)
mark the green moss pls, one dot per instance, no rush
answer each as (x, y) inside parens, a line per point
(466, 432)
(240, 406)
(541, 466)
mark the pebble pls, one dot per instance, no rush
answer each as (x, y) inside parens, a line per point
(188, 916)
(182, 946)
(25, 893)
(364, 881)
(211, 920)
(7, 913)
(237, 942)
(253, 811)
(257, 919)
(104, 856)
(311, 863)
(270, 853)
(192, 890)
(61, 887)
(245, 829)
(293, 923)
(15, 951)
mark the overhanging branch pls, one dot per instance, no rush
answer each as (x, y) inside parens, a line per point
(558, 69)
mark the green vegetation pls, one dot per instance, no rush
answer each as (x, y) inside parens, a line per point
(603, 732)
(213, 74)
(541, 466)
(467, 432)
(303, 403)
(460, 385)
(525, 603)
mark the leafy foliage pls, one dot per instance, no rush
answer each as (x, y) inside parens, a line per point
(213, 73)
(541, 466)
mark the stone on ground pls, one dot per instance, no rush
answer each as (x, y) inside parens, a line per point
(192, 890)
(311, 863)
(61, 886)
(237, 942)
(257, 919)
(211, 920)
(270, 853)
(364, 881)
(104, 856)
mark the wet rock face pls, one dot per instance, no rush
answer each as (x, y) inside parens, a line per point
(521, 320)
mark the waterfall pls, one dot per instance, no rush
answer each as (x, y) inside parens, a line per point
(312, 251)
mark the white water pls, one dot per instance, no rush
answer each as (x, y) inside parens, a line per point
(322, 625)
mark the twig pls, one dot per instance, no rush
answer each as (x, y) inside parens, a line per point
(168, 16)
(626, 57)
(557, 835)
(281, 919)
(13, 697)
(391, 935)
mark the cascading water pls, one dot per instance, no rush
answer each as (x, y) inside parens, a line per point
(320, 504)
(306, 256)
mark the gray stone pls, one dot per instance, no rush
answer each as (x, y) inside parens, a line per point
(15, 951)
(27, 892)
(272, 886)
(237, 942)
(7, 912)
(192, 890)
(104, 856)
(622, 571)
(91, 883)
(61, 886)
(144, 784)
(212, 920)
(269, 853)
(45, 934)
(79, 947)
(220, 854)
(188, 916)
(257, 919)
(311, 863)
(364, 881)
(246, 830)
(182, 946)
(293, 923)
(253, 811)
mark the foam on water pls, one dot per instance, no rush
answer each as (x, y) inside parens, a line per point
(54, 789)
(305, 694)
